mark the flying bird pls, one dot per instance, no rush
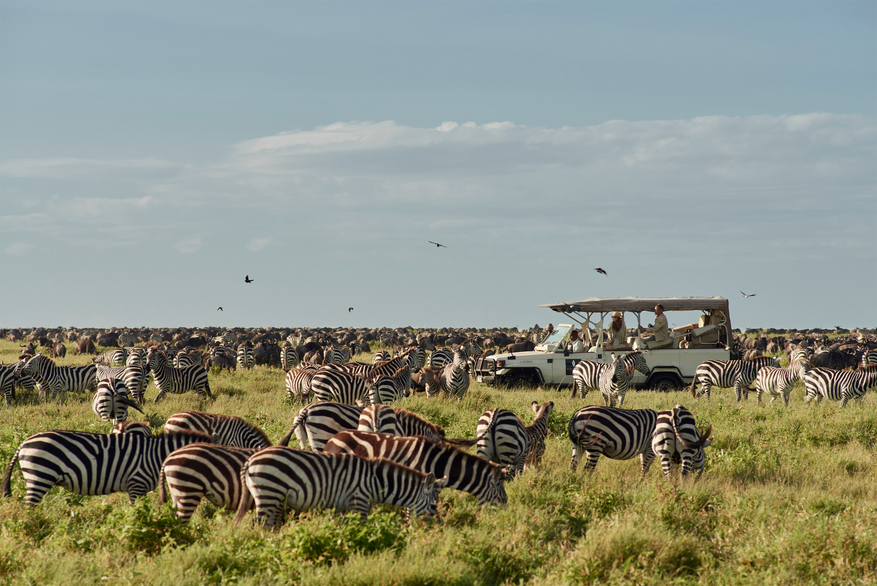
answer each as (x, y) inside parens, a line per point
(748, 294)
(436, 244)
(349, 309)
(247, 279)
(219, 308)
(601, 271)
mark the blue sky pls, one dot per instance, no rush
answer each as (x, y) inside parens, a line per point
(153, 153)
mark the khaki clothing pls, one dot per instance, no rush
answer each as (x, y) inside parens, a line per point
(660, 330)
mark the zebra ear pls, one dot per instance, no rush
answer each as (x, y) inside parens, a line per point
(535, 406)
(441, 483)
(429, 481)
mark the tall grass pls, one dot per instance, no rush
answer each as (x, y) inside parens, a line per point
(788, 497)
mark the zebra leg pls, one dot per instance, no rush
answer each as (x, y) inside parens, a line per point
(738, 391)
(576, 456)
(621, 396)
(705, 388)
(137, 488)
(159, 396)
(592, 460)
(646, 459)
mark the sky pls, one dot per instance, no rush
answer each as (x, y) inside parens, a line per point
(152, 154)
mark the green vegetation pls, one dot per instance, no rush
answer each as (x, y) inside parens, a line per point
(788, 497)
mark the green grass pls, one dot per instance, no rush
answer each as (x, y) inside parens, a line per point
(788, 497)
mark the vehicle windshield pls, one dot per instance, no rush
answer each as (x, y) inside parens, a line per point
(557, 335)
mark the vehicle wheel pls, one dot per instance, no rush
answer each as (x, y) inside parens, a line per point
(519, 380)
(665, 383)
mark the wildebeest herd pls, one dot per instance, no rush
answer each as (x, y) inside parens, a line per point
(356, 449)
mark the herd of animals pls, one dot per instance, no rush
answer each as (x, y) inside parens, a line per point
(356, 449)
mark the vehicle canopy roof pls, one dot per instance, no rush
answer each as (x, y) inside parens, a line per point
(638, 304)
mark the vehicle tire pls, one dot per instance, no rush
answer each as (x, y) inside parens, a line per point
(519, 380)
(665, 383)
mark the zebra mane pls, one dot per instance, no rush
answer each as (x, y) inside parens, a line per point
(406, 413)
(868, 368)
(204, 437)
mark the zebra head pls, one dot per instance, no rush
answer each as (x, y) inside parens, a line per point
(635, 361)
(32, 366)
(690, 437)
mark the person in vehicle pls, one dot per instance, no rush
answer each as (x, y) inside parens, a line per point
(660, 331)
(575, 343)
(616, 335)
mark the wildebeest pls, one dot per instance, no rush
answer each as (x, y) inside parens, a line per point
(85, 346)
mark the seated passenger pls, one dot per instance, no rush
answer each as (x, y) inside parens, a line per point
(575, 344)
(616, 335)
(660, 331)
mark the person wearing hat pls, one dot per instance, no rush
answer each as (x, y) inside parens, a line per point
(617, 333)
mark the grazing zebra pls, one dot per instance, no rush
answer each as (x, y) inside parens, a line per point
(502, 438)
(136, 375)
(245, 357)
(839, 385)
(203, 470)
(676, 439)
(439, 358)
(477, 476)
(869, 357)
(388, 389)
(288, 357)
(455, 376)
(111, 402)
(298, 385)
(381, 356)
(779, 381)
(619, 434)
(60, 378)
(176, 380)
(279, 479)
(317, 422)
(336, 356)
(537, 432)
(339, 386)
(739, 374)
(92, 463)
(586, 374)
(397, 421)
(223, 429)
(115, 357)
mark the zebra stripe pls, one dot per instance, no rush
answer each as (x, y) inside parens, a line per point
(92, 464)
(389, 389)
(316, 423)
(298, 385)
(586, 374)
(438, 359)
(839, 385)
(336, 356)
(462, 471)
(397, 421)
(619, 434)
(614, 383)
(455, 376)
(779, 381)
(279, 478)
(288, 357)
(187, 358)
(676, 439)
(244, 357)
(537, 432)
(223, 429)
(739, 374)
(502, 439)
(111, 402)
(202, 470)
(869, 357)
(338, 386)
(61, 378)
(141, 427)
(416, 358)
(381, 356)
(115, 357)
(176, 380)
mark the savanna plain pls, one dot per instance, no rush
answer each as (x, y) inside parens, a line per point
(788, 496)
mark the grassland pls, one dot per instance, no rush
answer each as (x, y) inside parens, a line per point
(788, 497)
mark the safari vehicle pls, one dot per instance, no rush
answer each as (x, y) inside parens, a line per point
(672, 362)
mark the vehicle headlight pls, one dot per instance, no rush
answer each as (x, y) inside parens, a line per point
(500, 363)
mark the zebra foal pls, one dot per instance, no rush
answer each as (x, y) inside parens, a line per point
(778, 382)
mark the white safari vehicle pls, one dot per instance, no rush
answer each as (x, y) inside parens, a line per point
(672, 362)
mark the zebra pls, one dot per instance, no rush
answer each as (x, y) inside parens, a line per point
(92, 463)
(586, 374)
(479, 477)
(389, 367)
(245, 357)
(455, 376)
(136, 375)
(676, 439)
(779, 381)
(111, 402)
(502, 438)
(397, 421)
(298, 385)
(288, 357)
(800, 354)
(619, 434)
(381, 356)
(336, 356)
(416, 358)
(869, 357)
(439, 358)
(339, 386)
(223, 429)
(202, 470)
(614, 382)
(388, 389)
(115, 357)
(7, 382)
(187, 358)
(141, 427)
(280, 478)
(839, 385)
(317, 422)
(739, 374)
(60, 378)
(176, 380)
(537, 432)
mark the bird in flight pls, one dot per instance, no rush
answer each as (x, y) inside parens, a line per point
(247, 279)
(436, 244)
(601, 271)
(349, 309)
(748, 294)
(219, 308)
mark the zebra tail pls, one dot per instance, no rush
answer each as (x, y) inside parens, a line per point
(299, 421)
(246, 502)
(162, 491)
(284, 441)
(694, 384)
(5, 489)
(207, 388)
(461, 442)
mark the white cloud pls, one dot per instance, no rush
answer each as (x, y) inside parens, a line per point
(258, 244)
(18, 249)
(190, 245)
(76, 168)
